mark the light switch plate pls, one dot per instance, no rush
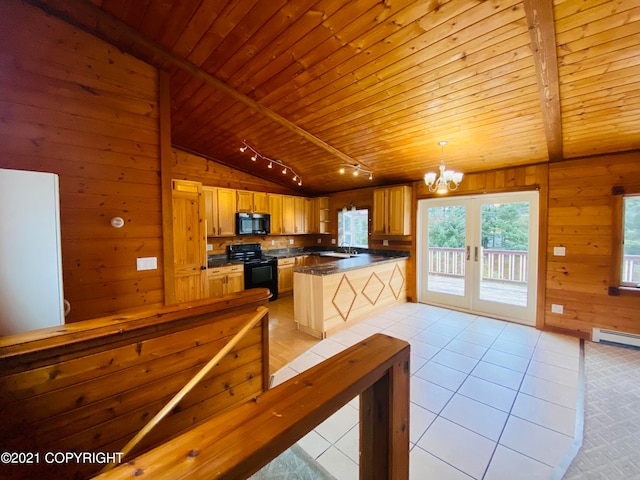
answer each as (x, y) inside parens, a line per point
(559, 251)
(209, 247)
(557, 308)
(147, 263)
(333, 241)
(291, 241)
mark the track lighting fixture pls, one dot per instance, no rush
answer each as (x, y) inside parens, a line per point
(356, 170)
(285, 168)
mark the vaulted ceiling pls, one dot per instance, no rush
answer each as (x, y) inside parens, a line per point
(320, 83)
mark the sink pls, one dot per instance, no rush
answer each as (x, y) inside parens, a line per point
(338, 254)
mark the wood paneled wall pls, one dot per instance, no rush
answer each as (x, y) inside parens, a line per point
(92, 386)
(89, 114)
(580, 218)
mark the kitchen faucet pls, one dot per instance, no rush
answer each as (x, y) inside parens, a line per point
(348, 248)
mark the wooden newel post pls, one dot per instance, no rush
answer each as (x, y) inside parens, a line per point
(384, 425)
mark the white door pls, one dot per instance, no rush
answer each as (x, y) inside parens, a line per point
(479, 254)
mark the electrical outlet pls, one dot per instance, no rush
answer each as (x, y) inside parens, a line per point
(319, 240)
(333, 241)
(291, 241)
(385, 243)
(209, 247)
(273, 242)
(557, 308)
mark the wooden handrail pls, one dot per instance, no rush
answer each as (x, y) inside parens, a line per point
(237, 443)
(260, 313)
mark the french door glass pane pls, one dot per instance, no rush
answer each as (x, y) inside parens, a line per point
(446, 258)
(504, 244)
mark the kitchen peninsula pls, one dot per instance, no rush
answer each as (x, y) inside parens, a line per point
(329, 295)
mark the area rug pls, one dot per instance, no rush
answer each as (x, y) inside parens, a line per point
(611, 436)
(293, 464)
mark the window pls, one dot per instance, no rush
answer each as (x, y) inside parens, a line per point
(625, 265)
(353, 228)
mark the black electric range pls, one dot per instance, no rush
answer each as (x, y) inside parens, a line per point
(260, 271)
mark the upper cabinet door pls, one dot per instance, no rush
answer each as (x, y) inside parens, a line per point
(275, 209)
(260, 202)
(380, 211)
(252, 202)
(288, 214)
(245, 201)
(226, 212)
(392, 211)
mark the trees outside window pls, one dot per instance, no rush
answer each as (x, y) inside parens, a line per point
(353, 228)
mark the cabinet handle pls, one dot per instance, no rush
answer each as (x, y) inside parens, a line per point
(468, 252)
(476, 253)
(219, 230)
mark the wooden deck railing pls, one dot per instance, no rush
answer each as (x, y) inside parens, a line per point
(631, 268)
(237, 443)
(503, 265)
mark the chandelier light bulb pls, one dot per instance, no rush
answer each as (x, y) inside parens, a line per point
(270, 165)
(254, 157)
(284, 171)
(243, 148)
(341, 170)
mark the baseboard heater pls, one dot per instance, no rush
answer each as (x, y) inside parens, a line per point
(611, 336)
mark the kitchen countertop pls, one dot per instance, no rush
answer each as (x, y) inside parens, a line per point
(222, 262)
(324, 265)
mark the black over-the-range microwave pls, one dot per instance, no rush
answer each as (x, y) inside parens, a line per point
(253, 223)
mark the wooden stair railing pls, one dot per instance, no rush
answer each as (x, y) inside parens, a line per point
(260, 313)
(237, 443)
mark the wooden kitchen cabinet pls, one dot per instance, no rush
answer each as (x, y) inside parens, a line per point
(301, 206)
(224, 280)
(288, 214)
(392, 211)
(252, 202)
(318, 218)
(275, 210)
(220, 211)
(285, 275)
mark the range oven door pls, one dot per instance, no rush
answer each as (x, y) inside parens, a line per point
(262, 275)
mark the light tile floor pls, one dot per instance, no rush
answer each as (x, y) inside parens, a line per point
(489, 399)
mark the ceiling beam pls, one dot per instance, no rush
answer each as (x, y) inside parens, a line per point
(92, 19)
(542, 33)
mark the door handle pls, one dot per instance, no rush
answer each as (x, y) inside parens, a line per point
(468, 252)
(476, 253)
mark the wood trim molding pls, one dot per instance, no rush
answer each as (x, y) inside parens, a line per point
(166, 174)
(543, 44)
(92, 19)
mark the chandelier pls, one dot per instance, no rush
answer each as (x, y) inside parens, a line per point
(448, 179)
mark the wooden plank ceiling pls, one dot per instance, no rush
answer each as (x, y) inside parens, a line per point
(318, 83)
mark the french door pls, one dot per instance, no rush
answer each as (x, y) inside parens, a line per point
(479, 254)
